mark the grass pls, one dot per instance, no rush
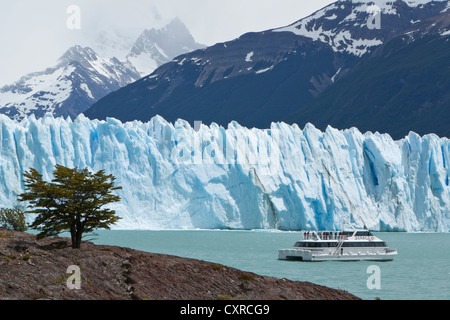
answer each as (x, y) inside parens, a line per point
(219, 267)
(5, 236)
(224, 297)
(246, 277)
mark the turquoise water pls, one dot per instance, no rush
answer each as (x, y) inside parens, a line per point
(421, 271)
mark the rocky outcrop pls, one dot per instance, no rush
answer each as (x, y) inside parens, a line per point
(32, 269)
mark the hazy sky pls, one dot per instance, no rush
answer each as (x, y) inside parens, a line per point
(34, 33)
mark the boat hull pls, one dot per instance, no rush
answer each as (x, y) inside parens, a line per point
(311, 256)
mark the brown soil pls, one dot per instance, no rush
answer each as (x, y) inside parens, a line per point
(33, 269)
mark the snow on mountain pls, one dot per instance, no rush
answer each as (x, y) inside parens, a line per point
(112, 43)
(175, 177)
(156, 47)
(82, 76)
(344, 24)
(79, 78)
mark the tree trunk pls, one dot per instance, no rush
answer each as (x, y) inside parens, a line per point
(76, 241)
(78, 232)
(73, 236)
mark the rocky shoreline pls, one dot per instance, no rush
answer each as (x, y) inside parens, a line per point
(32, 269)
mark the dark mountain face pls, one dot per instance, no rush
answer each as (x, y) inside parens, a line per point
(254, 79)
(281, 74)
(403, 86)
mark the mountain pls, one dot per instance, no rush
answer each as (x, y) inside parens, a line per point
(274, 75)
(404, 85)
(156, 47)
(79, 78)
(111, 43)
(176, 177)
(253, 79)
(344, 25)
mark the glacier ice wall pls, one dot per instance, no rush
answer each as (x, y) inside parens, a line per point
(178, 177)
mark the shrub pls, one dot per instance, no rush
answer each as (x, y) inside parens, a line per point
(246, 277)
(13, 219)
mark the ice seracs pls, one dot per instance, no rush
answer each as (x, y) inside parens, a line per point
(176, 177)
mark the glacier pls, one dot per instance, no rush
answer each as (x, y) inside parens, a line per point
(175, 176)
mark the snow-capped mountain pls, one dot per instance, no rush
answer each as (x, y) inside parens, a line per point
(82, 76)
(156, 47)
(403, 86)
(268, 76)
(346, 25)
(111, 43)
(79, 79)
(176, 177)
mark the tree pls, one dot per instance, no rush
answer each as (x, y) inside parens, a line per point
(13, 219)
(73, 202)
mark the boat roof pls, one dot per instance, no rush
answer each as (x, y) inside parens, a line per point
(352, 235)
(344, 230)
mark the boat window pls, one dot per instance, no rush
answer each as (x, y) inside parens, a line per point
(364, 234)
(347, 244)
(365, 244)
(316, 244)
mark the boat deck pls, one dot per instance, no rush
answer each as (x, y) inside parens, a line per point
(308, 255)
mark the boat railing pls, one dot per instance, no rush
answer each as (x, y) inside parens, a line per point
(364, 238)
(333, 236)
(338, 248)
(321, 236)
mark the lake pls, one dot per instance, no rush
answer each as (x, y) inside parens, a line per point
(421, 271)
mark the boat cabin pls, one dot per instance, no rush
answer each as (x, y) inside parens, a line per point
(338, 235)
(345, 244)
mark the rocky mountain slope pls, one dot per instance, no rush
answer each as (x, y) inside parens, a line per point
(34, 269)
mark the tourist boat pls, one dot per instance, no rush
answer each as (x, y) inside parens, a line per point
(348, 245)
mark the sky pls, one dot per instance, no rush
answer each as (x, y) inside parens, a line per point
(35, 33)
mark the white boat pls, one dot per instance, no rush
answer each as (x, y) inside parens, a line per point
(348, 245)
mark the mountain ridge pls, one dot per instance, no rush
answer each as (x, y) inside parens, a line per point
(155, 47)
(79, 78)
